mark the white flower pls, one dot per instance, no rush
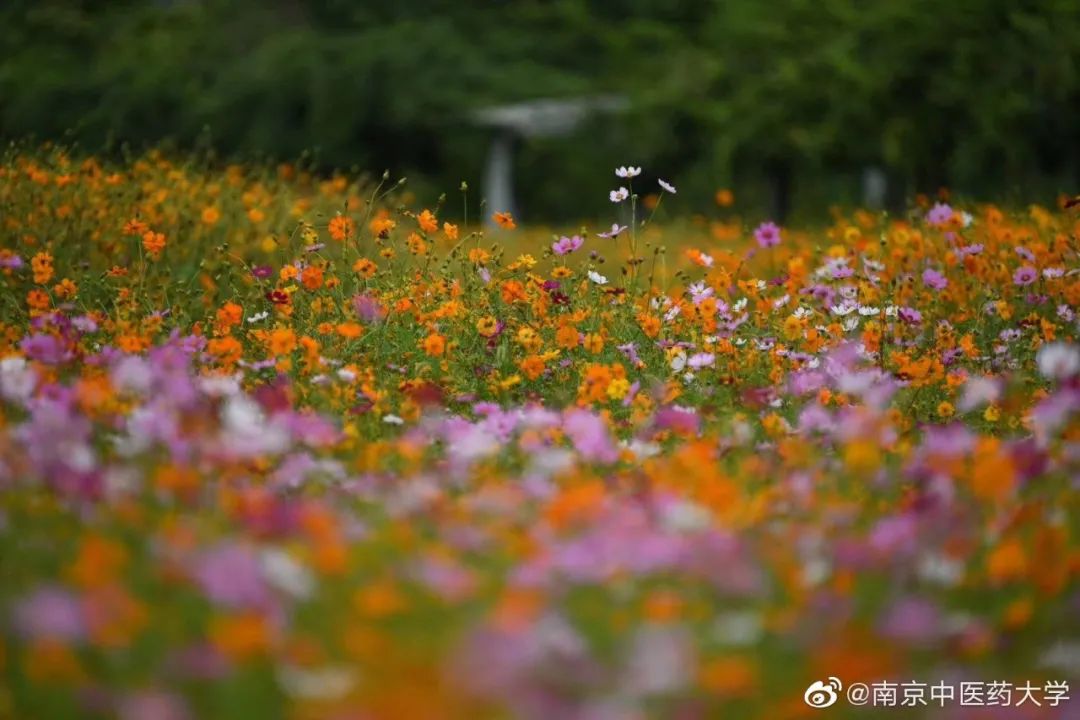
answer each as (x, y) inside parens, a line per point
(660, 660)
(966, 219)
(597, 278)
(1062, 655)
(738, 628)
(474, 444)
(393, 420)
(286, 574)
(667, 186)
(869, 310)
(617, 196)
(220, 385)
(685, 516)
(1058, 361)
(627, 172)
(132, 375)
(940, 569)
(781, 301)
(842, 309)
(17, 379)
(258, 317)
(328, 683)
(802, 312)
(979, 390)
(247, 432)
(738, 306)
(678, 361)
(706, 260)
(641, 449)
(851, 323)
(815, 571)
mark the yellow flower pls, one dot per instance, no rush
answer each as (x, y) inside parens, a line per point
(594, 343)
(618, 388)
(487, 326)
(945, 409)
(992, 413)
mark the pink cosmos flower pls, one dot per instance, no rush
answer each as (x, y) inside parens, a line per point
(933, 279)
(616, 230)
(566, 245)
(1025, 275)
(939, 214)
(767, 234)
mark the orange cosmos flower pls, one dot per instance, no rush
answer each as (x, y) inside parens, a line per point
(504, 220)
(312, 278)
(342, 228)
(135, 227)
(153, 243)
(364, 267)
(282, 341)
(434, 345)
(427, 221)
(42, 265)
(381, 226)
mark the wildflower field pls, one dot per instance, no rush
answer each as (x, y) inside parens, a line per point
(276, 445)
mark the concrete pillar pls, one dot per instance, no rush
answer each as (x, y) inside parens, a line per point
(875, 188)
(499, 176)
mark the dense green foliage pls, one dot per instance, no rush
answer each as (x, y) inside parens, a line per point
(976, 94)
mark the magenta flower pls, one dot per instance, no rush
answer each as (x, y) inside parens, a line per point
(933, 279)
(566, 245)
(939, 214)
(50, 612)
(590, 436)
(912, 620)
(368, 308)
(152, 705)
(678, 418)
(910, 315)
(1025, 275)
(230, 575)
(44, 348)
(767, 235)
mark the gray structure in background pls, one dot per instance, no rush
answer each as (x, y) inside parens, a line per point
(875, 188)
(536, 118)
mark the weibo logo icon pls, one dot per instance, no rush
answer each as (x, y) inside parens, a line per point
(821, 694)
